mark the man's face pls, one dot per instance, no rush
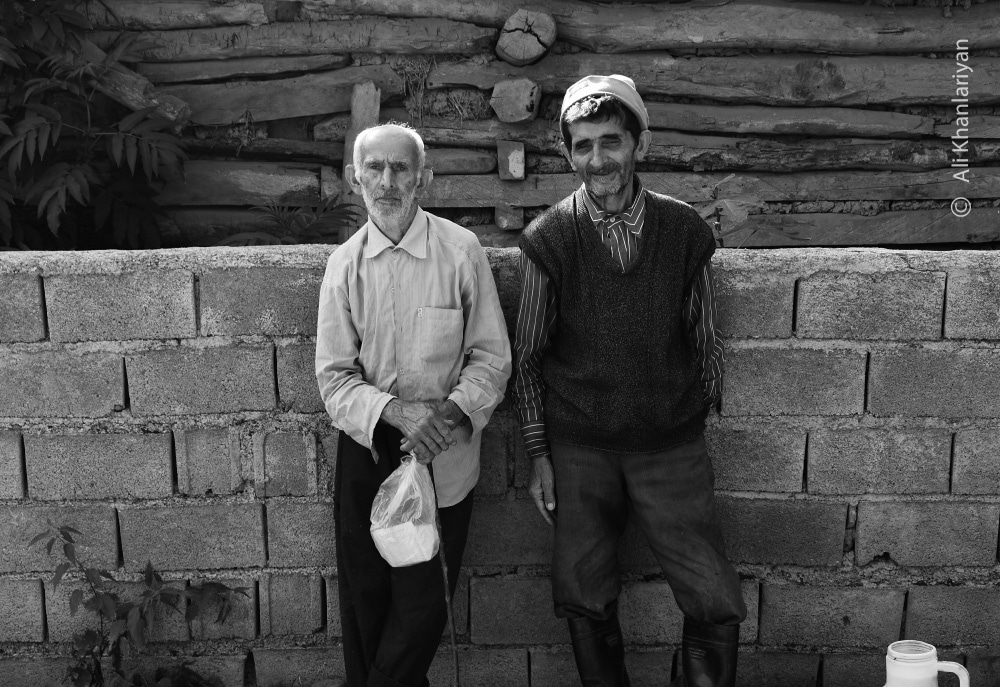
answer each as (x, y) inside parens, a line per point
(603, 156)
(388, 176)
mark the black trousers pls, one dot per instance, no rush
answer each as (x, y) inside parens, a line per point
(392, 618)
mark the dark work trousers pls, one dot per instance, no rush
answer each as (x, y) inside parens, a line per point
(392, 618)
(672, 496)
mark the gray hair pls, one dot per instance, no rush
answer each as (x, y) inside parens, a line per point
(397, 126)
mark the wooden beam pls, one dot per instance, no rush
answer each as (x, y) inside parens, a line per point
(312, 94)
(738, 25)
(356, 35)
(214, 70)
(365, 103)
(980, 126)
(784, 80)
(525, 37)
(170, 14)
(243, 183)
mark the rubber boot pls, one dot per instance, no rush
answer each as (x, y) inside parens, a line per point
(599, 651)
(708, 654)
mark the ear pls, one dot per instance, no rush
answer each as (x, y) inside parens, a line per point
(426, 177)
(645, 140)
(565, 151)
(351, 174)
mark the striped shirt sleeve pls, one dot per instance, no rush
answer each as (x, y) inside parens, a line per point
(536, 320)
(701, 317)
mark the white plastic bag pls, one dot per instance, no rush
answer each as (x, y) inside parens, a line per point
(403, 517)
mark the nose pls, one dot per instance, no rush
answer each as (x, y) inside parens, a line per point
(597, 155)
(388, 179)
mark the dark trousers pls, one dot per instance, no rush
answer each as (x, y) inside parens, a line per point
(672, 495)
(392, 618)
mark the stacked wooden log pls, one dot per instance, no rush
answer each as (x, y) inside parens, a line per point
(827, 123)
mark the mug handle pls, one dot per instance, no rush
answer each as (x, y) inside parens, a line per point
(958, 669)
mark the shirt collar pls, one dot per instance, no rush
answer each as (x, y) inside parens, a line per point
(630, 216)
(414, 241)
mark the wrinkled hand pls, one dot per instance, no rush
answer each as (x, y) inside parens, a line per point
(426, 431)
(542, 487)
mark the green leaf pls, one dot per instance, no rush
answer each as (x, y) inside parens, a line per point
(37, 538)
(15, 159)
(74, 601)
(44, 131)
(147, 163)
(73, 186)
(66, 528)
(108, 603)
(136, 628)
(115, 143)
(130, 152)
(69, 550)
(128, 123)
(30, 142)
(58, 575)
(48, 547)
(148, 574)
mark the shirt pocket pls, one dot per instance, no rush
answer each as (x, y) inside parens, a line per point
(441, 333)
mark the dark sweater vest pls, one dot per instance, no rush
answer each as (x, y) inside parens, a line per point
(621, 374)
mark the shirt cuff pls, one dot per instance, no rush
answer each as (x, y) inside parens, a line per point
(461, 399)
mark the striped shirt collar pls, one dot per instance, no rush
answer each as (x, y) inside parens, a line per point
(632, 217)
(413, 242)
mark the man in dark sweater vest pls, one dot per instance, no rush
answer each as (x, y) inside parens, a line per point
(618, 363)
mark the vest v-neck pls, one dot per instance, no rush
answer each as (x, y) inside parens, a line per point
(585, 225)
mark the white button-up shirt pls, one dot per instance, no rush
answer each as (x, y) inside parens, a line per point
(419, 321)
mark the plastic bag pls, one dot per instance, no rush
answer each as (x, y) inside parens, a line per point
(403, 516)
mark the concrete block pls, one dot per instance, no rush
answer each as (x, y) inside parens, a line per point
(193, 537)
(878, 305)
(297, 387)
(11, 466)
(772, 531)
(557, 668)
(18, 525)
(241, 623)
(333, 625)
(983, 666)
(22, 317)
(461, 602)
(482, 668)
(291, 605)
(863, 461)
(61, 384)
(287, 667)
(976, 466)
(854, 670)
(300, 534)
(514, 611)
(208, 462)
(98, 466)
(22, 619)
(495, 455)
(921, 383)
(168, 625)
(36, 671)
(152, 304)
(277, 301)
(948, 616)
(830, 616)
(508, 533)
(286, 464)
(778, 669)
(218, 670)
(754, 303)
(973, 307)
(182, 381)
(918, 533)
(785, 381)
(757, 459)
(649, 614)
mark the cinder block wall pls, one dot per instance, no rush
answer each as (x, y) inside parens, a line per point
(164, 404)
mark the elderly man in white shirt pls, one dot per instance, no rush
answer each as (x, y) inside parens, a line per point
(412, 355)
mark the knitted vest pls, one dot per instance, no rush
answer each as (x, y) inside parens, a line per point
(620, 374)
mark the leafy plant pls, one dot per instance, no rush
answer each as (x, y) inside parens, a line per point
(126, 623)
(291, 224)
(77, 169)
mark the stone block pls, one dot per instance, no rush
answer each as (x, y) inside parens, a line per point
(300, 534)
(181, 381)
(152, 304)
(98, 466)
(953, 616)
(168, 625)
(61, 384)
(511, 160)
(291, 605)
(297, 387)
(11, 466)
(35, 671)
(292, 667)
(240, 623)
(757, 459)
(854, 670)
(557, 668)
(922, 383)
(976, 467)
(794, 381)
(514, 611)
(973, 307)
(193, 537)
(481, 668)
(919, 533)
(778, 669)
(22, 317)
(878, 305)
(276, 301)
(649, 614)
(98, 544)
(773, 531)
(286, 464)
(508, 533)
(754, 303)
(866, 461)
(830, 616)
(22, 618)
(218, 670)
(208, 462)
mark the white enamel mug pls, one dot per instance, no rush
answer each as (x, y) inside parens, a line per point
(910, 663)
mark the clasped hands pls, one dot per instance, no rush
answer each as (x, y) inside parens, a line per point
(428, 428)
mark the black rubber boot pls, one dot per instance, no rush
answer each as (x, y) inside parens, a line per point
(599, 651)
(708, 654)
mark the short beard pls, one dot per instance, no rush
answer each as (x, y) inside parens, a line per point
(392, 214)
